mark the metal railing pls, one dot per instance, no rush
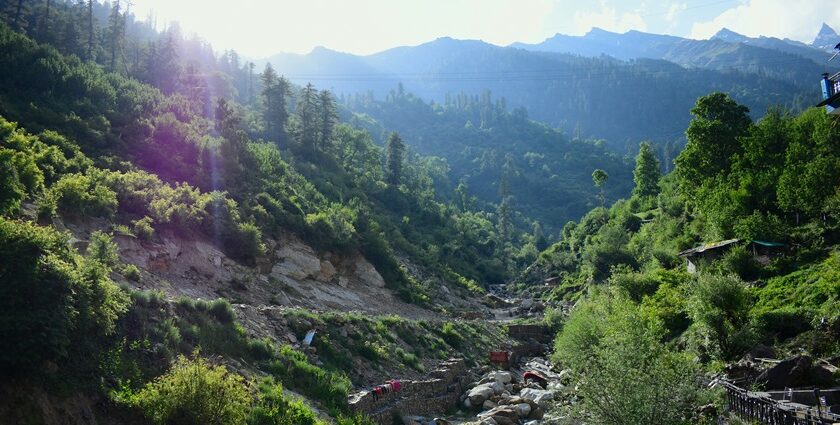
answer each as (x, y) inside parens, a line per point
(762, 408)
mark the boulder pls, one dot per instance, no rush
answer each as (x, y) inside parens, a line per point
(502, 415)
(760, 351)
(367, 274)
(299, 262)
(479, 394)
(795, 372)
(343, 281)
(537, 413)
(327, 271)
(541, 397)
(488, 404)
(498, 388)
(523, 409)
(501, 377)
(527, 303)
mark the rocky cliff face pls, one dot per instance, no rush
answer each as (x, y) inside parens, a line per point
(290, 274)
(827, 38)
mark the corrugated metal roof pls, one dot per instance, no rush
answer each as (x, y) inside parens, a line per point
(768, 244)
(707, 247)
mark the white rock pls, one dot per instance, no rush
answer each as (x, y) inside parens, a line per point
(501, 377)
(327, 271)
(480, 393)
(523, 409)
(367, 274)
(541, 397)
(489, 421)
(298, 262)
(532, 423)
(343, 281)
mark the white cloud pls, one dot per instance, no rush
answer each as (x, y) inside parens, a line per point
(608, 18)
(795, 19)
(674, 11)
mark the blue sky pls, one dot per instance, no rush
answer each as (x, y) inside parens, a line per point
(259, 28)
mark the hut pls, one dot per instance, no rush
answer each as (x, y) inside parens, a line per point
(706, 252)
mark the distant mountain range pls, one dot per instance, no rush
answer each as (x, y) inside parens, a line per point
(620, 87)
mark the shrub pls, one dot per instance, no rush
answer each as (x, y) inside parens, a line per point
(243, 241)
(740, 262)
(625, 374)
(275, 408)
(54, 304)
(143, 228)
(719, 306)
(451, 335)
(637, 285)
(83, 195)
(131, 272)
(221, 310)
(294, 370)
(193, 392)
(12, 190)
(103, 249)
(554, 319)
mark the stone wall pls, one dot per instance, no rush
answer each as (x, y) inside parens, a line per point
(437, 394)
(527, 332)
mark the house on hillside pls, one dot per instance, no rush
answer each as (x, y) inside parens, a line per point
(762, 251)
(706, 252)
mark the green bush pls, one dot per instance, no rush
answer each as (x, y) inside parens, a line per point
(294, 370)
(625, 375)
(12, 190)
(740, 262)
(719, 307)
(83, 195)
(54, 305)
(637, 285)
(103, 249)
(243, 241)
(143, 228)
(131, 272)
(222, 311)
(275, 408)
(193, 392)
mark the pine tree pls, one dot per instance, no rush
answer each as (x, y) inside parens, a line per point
(328, 117)
(647, 172)
(90, 30)
(274, 112)
(395, 155)
(116, 34)
(307, 114)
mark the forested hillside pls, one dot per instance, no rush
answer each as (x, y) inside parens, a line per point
(491, 154)
(160, 149)
(772, 182)
(621, 101)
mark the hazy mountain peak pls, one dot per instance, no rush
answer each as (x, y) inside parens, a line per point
(595, 32)
(726, 34)
(827, 38)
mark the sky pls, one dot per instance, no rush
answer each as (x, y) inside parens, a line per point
(260, 28)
